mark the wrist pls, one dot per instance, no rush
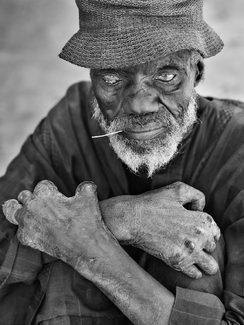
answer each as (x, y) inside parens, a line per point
(99, 247)
(118, 218)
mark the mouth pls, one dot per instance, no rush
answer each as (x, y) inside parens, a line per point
(143, 134)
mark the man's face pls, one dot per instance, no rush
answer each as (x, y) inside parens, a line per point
(152, 103)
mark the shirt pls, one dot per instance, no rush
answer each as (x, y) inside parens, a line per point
(37, 289)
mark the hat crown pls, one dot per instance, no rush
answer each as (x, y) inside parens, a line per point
(123, 33)
(141, 7)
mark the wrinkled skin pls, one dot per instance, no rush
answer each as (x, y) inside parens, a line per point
(65, 228)
(74, 230)
(166, 84)
(157, 222)
(160, 225)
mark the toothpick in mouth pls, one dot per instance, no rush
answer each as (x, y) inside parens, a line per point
(105, 135)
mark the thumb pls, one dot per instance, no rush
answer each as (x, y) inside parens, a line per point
(11, 209)
(87, 191)
(86, 188)
(189, 196)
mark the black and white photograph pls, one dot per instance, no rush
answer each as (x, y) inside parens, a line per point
(121, 162)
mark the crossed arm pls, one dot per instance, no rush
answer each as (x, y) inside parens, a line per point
(86, 235)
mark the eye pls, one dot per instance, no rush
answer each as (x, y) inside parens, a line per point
(111, 79)
(166, 77)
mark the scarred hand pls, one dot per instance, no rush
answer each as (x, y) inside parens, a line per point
(65, 228)
(159, 224)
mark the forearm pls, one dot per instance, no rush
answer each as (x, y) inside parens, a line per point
(140, 297)
(117, 219)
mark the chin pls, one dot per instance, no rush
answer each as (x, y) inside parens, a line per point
(152, 154)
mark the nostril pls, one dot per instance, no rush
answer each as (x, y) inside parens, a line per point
(141, 106)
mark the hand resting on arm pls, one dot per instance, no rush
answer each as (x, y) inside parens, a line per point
(155, 222)
(73, 230)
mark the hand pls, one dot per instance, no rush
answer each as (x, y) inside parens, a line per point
(159, 224)
(65, 228)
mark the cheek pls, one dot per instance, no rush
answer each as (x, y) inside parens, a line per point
(178, 101)
(109, 102)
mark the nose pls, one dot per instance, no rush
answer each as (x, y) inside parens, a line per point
(141, 102)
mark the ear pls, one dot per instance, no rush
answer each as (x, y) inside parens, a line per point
(199, 72)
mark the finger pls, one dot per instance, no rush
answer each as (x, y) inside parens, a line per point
(45, 188)
(207, 263)
(215, 229)
(86, 193)
(188, 194)
(24, 196)
(217, 233)
(189, 245)
(210, 246)
(193, 272)
(10, 209)
(86, 188)
(196, 198)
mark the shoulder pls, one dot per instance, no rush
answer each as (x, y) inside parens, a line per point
(73, 110)
(221, 118)
(223, 175)
(75, 98)
(79, 90)
(219, 112)
(224, 121)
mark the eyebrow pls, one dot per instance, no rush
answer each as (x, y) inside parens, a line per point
(172, 67)
(128, 70)
(108, 70)
(169, 67)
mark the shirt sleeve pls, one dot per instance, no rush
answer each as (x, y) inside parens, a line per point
(194, 307)
(18, 263)
(37, 160)
(56, 151)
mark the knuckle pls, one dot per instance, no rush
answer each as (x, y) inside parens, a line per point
(199, 231)
(10, 208)
(24, 195)
(88, 187)
(210, 246)
(189, 245)
(179, 257)
(45, 187)
(174, 260)
(200, 196)
(207, 219)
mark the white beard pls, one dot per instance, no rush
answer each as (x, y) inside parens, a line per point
(154, 153)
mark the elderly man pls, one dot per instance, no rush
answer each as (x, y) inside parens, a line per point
(136, 248)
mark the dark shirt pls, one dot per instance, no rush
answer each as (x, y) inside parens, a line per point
(36, 289)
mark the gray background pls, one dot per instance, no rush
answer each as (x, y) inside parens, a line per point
(33, 78)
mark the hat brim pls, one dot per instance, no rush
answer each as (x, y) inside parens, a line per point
(135, 46)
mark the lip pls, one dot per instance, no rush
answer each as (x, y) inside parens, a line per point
(144, 134)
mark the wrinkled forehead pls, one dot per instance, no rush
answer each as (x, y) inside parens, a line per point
(178, 60)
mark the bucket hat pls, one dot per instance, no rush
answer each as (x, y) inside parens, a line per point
(122, 33)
